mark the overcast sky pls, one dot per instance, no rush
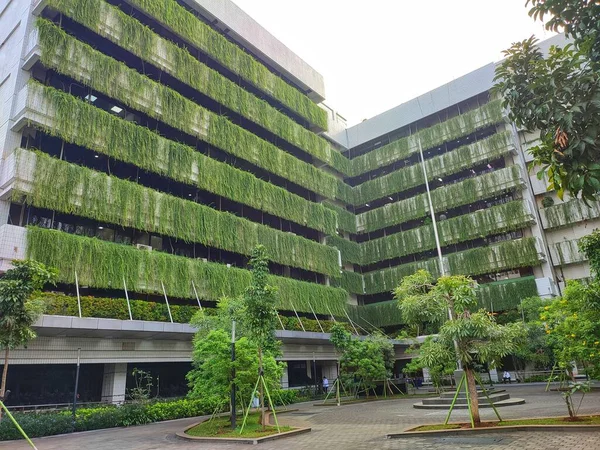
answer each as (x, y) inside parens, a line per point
(377, 54)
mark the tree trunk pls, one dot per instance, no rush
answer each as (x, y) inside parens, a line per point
(261, 390)
(4, 375)
(474, 400)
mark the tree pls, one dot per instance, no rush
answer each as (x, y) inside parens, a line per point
(559, 95)
(443, 364)
(365, 361)
(260, 315)
(211, 376)
(18, 311)
(472, 338)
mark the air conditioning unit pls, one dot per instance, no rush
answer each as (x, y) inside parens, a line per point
(143, 247)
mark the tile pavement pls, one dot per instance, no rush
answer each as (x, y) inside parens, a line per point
(358, 426)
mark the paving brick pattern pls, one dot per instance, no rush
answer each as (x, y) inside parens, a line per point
(358, 426)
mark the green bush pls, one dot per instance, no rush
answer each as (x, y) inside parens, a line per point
(115, 308)
(51, 423)
(282, 397)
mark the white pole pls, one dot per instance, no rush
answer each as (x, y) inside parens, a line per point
(331, 314)
(127, 297)
(351, 323)
(316, 318)
(78, 296)
(197, 298)
(437, 238)
(166, 301)
(432, 212)
(298, 317)
(280, 322)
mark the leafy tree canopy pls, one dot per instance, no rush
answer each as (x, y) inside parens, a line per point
(363, 361)
(559, 95)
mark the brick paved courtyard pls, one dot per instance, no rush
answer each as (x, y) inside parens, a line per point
(358, 426)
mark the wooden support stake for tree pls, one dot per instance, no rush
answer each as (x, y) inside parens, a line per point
(351, 323)
(469, 401)
(487, 396)
(462, 380)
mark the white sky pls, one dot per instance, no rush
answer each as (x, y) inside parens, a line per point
(377, 54)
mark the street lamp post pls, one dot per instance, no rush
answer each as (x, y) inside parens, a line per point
(437, 237)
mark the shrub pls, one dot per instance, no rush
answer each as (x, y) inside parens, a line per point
(51, 423)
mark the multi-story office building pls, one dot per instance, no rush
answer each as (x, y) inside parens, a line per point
(149, 145)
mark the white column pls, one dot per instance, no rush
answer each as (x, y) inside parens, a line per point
(426, 376)
(494, 375)
(285, 380)
(113, 383)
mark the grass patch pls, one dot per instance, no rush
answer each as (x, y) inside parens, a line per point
(581, 420)
(221, 427)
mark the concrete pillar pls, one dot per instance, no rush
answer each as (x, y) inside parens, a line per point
(494, 375)
(426, 376)
(113, 383)
(285, 379)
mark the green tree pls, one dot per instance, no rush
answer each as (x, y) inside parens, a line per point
(260, 315)
(211, 376)
(472, 338)
(559, 95)
(573, 327)
(443, 364)
(365, 361)
(18, 310)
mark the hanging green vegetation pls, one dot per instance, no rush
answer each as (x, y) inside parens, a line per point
(80, 123)
(351, 251)
(350, 281)
(217, 46)
(380, 314)
(566, 252)
(566, 213)
(488, 114)
(477, 261)
(440, 166)
(111, 23)
(102, 264)
(113, 78)
(385, 280)
(445, 197)
(495, 258)
(72, 189)
(485, 222)
(507, 294)
(346, 219)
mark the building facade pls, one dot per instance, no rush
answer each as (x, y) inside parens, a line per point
(148, 146)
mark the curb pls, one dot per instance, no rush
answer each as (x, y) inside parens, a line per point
(232, 440)
(495, 429)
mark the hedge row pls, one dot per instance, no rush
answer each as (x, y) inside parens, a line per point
(48, 424)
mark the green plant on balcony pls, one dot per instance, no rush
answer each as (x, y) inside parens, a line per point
(102, 264)
(59, 51)
(80, 123)
(143, 42)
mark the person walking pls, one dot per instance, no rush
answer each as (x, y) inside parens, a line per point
(325, 384)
